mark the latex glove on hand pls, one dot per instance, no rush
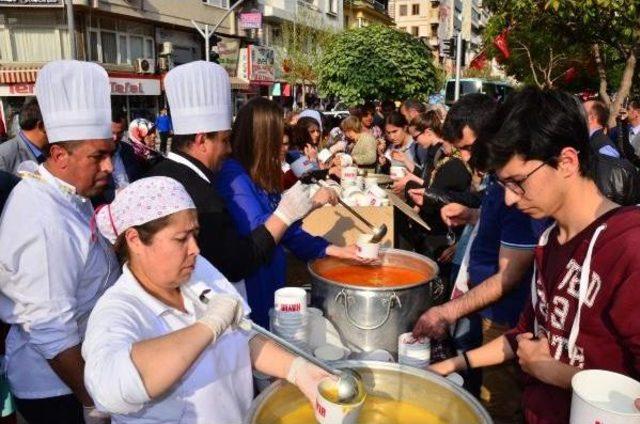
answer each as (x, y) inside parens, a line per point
(349, 252)
(294, 204)
(323, 196)
(92, 416)
(223, 311)
(306, 377)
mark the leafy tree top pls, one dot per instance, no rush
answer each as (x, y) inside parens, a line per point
(376, 62)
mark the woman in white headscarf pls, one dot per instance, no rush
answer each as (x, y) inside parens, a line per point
(154, 351)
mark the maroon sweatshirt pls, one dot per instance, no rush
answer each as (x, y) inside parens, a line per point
(608, 334)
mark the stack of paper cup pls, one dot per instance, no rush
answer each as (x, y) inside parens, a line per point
(412, 351)
(349, 176)
(290, 319)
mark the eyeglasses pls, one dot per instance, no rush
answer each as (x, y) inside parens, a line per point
(415, 136)
(516, 186)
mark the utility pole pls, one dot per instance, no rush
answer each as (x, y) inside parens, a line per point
(71, 28)
(458, 64)
(207, 33)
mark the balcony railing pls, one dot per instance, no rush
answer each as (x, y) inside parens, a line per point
(379, 6)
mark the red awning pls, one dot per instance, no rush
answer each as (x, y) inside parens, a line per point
(18, 74)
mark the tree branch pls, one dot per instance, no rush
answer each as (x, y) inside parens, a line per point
(602, 75)
(531, 64)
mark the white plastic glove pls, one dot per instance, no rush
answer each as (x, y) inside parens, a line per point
(294, 204)
(223, 311)
(306, 377)
(93, 416)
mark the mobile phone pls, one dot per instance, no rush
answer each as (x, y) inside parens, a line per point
(625, 103)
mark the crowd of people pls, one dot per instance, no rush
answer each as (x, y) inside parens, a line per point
(124, 289)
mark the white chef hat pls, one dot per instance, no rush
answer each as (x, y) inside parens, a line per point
(142, 201)
(199, 95)
(75, 101)
(311, 113)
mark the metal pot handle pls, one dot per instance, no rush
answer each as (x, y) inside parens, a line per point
(391, 301)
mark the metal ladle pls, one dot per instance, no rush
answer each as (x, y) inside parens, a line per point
(378, 233)
(349, 384)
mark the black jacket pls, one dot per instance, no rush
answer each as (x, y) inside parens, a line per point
(7, 182)
(133, 166)
(616, 178)
(233, 255)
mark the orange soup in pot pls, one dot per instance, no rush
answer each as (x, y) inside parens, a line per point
(375, 276)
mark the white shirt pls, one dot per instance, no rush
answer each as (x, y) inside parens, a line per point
(218, 388)
(407, 149)
(51, 274)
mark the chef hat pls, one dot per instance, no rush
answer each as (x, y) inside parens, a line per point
(199, 95)
(75, 101)
(311, 113)
(140, 202)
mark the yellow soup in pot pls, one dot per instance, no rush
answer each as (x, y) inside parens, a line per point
(376, 410)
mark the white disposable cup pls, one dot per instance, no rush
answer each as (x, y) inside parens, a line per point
(370, 181)
(456, 378)
(397, 172)
(360, 182)
(367, 200)
(324, 155)
(377, 191)
(604, 396)
(414, 349)
(366, 249)
(346, 160)
(349, 175)
(329, 353)
(329, 412)
(290, 300)
(376, 355)
(350, 191)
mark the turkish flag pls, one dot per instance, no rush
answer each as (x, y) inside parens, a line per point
(479, 62)
(502, 43)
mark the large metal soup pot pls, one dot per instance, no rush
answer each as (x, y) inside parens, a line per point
(447, 402)
(372, 317)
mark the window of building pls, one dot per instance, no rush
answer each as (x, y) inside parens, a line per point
(415, 31)
(415, 9)
(403, 29)
(33, 37)
(224, 4)
(120, 43)
(403, 10)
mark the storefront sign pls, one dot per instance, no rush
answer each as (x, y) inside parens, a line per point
(228, 50)
(261, 64)
(49, 3)
(243, 64)
(251, 20)
(119, 87)
(134, 87)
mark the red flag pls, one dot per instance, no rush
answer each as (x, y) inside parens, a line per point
(479, 62)
(502, 43)
(570, 75)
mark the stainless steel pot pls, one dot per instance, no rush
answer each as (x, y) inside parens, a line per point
(370, 318)
(447, 401)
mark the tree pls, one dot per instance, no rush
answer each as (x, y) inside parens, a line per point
(302, 44)
(549, 37)
(376, 62)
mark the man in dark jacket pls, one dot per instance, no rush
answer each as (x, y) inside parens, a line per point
(615, 176)
(7, 182)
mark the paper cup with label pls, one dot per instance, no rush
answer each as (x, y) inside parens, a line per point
(397, 172)
(349, 177)
(414, 351)
(290, 301)
(376, 191)
(324, 155)
(329, 411)
(366, 249)
(370, 181)
(605, 397)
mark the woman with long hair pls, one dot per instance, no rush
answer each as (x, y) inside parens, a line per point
(250, 183)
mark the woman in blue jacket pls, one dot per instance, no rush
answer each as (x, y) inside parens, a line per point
(250, 182)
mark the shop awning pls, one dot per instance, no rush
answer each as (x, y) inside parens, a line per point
(18, 74)
(239, 83)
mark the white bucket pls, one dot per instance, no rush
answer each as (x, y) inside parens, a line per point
(604, 397)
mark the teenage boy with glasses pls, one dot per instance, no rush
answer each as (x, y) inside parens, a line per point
(583, 311)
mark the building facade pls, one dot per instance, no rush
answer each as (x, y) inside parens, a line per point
(439, 20)
(136, 41)
(361, 13)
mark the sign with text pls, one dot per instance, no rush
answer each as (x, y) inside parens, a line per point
(228, 49)
(261, 64)
(243, 64)
(18, 3)
(119, 87)
(252, 20)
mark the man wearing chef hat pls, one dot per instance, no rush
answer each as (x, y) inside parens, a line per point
(52, 269)
(199, 94)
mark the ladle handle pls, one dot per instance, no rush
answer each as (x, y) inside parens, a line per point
(347, 207)
(290, 347)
